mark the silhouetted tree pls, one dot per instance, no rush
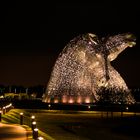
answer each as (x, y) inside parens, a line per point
(112, 95)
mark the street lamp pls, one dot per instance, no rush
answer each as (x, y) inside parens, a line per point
(49, 106)
(21, 118)
(32, 118)
(0, 115)
(35, 133)
(33, 125)
(127, 108)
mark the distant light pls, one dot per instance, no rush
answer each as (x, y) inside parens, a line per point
(55, 101)
(21, 113)
(48, 101)
(49, 105)
(2, 96)
(127, 108)
(32, 117)
(89, 107)
(34, 123)
(87, 100)
(71, 101)
(64, 99)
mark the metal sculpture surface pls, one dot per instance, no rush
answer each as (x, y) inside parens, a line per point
(84, 67)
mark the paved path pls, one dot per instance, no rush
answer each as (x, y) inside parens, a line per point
(12, 132)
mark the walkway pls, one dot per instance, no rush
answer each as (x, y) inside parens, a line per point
(12, 132)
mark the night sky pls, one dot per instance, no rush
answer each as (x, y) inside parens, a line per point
(33, 34)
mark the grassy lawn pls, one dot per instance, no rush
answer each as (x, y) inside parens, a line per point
(79, 125)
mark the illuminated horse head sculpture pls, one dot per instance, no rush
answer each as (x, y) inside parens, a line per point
(83, 68)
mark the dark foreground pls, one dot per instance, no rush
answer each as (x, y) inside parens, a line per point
(85, 125)
(81, 122)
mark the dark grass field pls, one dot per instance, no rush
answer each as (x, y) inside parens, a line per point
(88, 126)
(83, 125)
